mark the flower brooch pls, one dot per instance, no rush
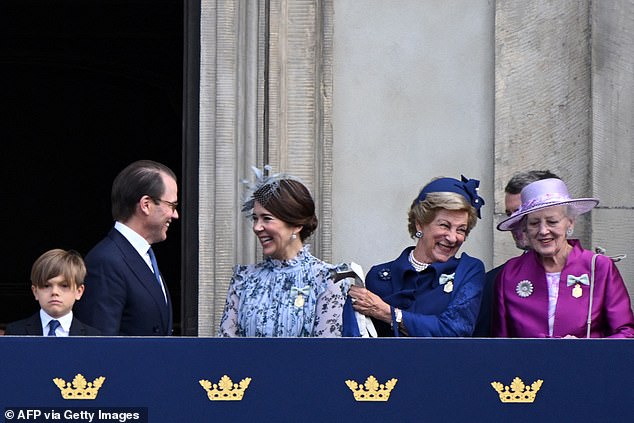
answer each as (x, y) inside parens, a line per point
(524, 288)
(385, 274)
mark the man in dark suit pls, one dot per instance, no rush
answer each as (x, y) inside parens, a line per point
(125, 292)
(512, 202)
(57, 281)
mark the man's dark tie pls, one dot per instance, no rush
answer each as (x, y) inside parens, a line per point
(154, 265)
(53, 325)
(156, 270)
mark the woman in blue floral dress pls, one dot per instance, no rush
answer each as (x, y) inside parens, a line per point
(291, 293)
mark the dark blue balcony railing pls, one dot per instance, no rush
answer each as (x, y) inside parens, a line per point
(304, 380)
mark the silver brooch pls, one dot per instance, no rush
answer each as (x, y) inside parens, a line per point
(385, 274)
(524, 288)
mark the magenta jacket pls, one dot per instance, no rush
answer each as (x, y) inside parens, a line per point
(517, 316)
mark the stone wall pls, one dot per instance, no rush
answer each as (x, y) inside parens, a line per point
(367, 102)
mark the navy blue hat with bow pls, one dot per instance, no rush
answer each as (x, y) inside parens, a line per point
(468, 188)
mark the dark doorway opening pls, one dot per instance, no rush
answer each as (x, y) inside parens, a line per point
(86, 88)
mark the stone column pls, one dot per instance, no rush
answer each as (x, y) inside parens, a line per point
(613, 130)
(299, 102)
(231, 81)
(244, 121)
(542, 100)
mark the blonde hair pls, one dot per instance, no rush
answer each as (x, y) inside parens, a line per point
(58, 262)
(424, 212)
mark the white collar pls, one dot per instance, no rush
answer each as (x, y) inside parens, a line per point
(64, 321)
(138, 242)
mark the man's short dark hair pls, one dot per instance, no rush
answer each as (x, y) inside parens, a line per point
(140, 178)
(520, 180)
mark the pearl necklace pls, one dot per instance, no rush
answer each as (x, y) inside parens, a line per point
(418, 266)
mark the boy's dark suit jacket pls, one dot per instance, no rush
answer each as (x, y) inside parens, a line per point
(122, 296)
(33, 326)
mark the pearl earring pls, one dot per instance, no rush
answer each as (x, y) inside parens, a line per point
(418, 234)
(293, 236)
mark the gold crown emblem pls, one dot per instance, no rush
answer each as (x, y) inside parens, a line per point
(518, 392)
(225, 390)
(372, 390)
(80, 389)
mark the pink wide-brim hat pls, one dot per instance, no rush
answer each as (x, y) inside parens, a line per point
(543, 194)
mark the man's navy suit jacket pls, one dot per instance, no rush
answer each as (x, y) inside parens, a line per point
(122, 295)
(33, 326)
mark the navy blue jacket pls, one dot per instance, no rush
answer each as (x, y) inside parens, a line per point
(122, 295)
(429, 308)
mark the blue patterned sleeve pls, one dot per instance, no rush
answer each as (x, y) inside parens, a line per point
(329, 309)
(460, 316)
(229, 323)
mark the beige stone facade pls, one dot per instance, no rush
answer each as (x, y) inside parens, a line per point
(546, 85)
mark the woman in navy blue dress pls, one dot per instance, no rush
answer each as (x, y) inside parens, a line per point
(427, 290)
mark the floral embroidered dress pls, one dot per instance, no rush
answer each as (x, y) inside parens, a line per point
(285, 298)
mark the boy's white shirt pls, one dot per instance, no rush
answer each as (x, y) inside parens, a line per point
(64, 321)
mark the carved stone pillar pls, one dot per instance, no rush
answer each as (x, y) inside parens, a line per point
(542, 99)
(265, 90)
(612, 132)
(230, 107)
(299, 112)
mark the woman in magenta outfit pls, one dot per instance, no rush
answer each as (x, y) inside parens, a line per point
(548, 291)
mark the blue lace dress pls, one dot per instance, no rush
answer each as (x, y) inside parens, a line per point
(286, 298)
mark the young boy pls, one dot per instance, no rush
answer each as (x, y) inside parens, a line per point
(57, 281)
